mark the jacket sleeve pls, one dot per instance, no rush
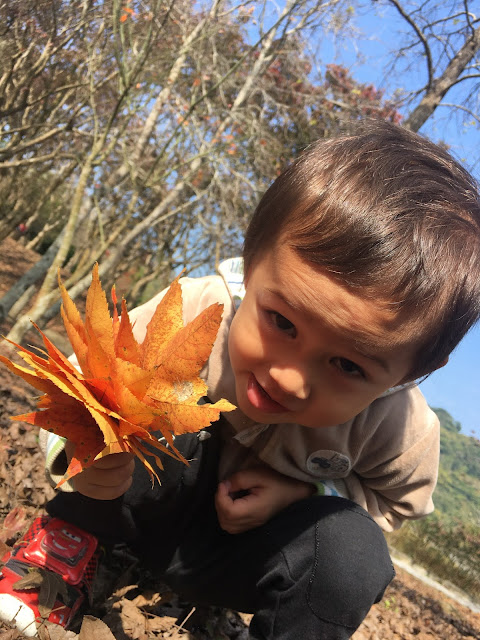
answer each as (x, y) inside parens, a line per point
(53, 448)
(396, 473)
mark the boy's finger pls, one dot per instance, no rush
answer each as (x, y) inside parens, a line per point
(108, 462)
(115, 460)
(241, 507)
(242, 480)
(222, 496)
(100, 492)
(108, 477)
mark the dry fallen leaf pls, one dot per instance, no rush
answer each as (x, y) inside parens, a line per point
(124, 391)
(134, 621)
(9, 634)
(15, 522)
(93, 628)
(52, 631)
(50, 585)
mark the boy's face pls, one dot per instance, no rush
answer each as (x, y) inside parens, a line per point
(304, 349)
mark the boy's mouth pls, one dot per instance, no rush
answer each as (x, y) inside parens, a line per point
(260, 399)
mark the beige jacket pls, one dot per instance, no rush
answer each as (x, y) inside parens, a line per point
(386, 457)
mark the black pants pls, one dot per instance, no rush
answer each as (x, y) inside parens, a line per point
(311, 573)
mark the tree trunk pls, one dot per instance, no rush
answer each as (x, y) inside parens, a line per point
(29, 278)
(47, 295)
(442, 84)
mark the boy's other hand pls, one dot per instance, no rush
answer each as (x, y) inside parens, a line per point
(106, 479)
(249, 498)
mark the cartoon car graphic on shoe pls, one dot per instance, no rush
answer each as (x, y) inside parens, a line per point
(61, 547)
(51, 545)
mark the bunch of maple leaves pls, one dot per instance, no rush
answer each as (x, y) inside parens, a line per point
(123, 394)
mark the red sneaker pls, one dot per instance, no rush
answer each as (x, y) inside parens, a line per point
(47, 575)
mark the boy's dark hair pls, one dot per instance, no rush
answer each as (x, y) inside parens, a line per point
(387, 211)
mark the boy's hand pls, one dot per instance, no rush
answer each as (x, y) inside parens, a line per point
(106, 479)
(263, 493)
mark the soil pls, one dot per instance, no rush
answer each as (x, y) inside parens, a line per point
(127, 600)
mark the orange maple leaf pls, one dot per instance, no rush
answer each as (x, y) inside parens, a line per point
(124, 391)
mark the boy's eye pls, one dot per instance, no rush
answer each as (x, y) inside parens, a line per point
(282, 323)
(348, 367)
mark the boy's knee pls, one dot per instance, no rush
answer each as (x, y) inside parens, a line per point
(352, 566)
(340, 560)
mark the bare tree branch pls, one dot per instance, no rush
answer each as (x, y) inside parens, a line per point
(443, 83)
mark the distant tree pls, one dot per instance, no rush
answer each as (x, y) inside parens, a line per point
(447, 421)
(440, 43)
(179, 124)
(144, 133)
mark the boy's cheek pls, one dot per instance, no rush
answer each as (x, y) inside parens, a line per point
(237, 343)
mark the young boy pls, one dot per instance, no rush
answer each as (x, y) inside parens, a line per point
(362, 273)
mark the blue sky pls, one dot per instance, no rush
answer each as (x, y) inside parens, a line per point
(456, 387)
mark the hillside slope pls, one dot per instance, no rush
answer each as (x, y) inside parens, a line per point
(457, 496)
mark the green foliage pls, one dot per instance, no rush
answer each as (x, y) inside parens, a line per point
(447, 543)
(457, 496)
(447, 422)
(449, 551)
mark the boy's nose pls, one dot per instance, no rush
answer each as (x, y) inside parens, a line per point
(291, 381)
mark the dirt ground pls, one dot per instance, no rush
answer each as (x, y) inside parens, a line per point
(130, 604)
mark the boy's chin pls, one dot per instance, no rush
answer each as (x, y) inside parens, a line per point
(254, 414)
(248, 411)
